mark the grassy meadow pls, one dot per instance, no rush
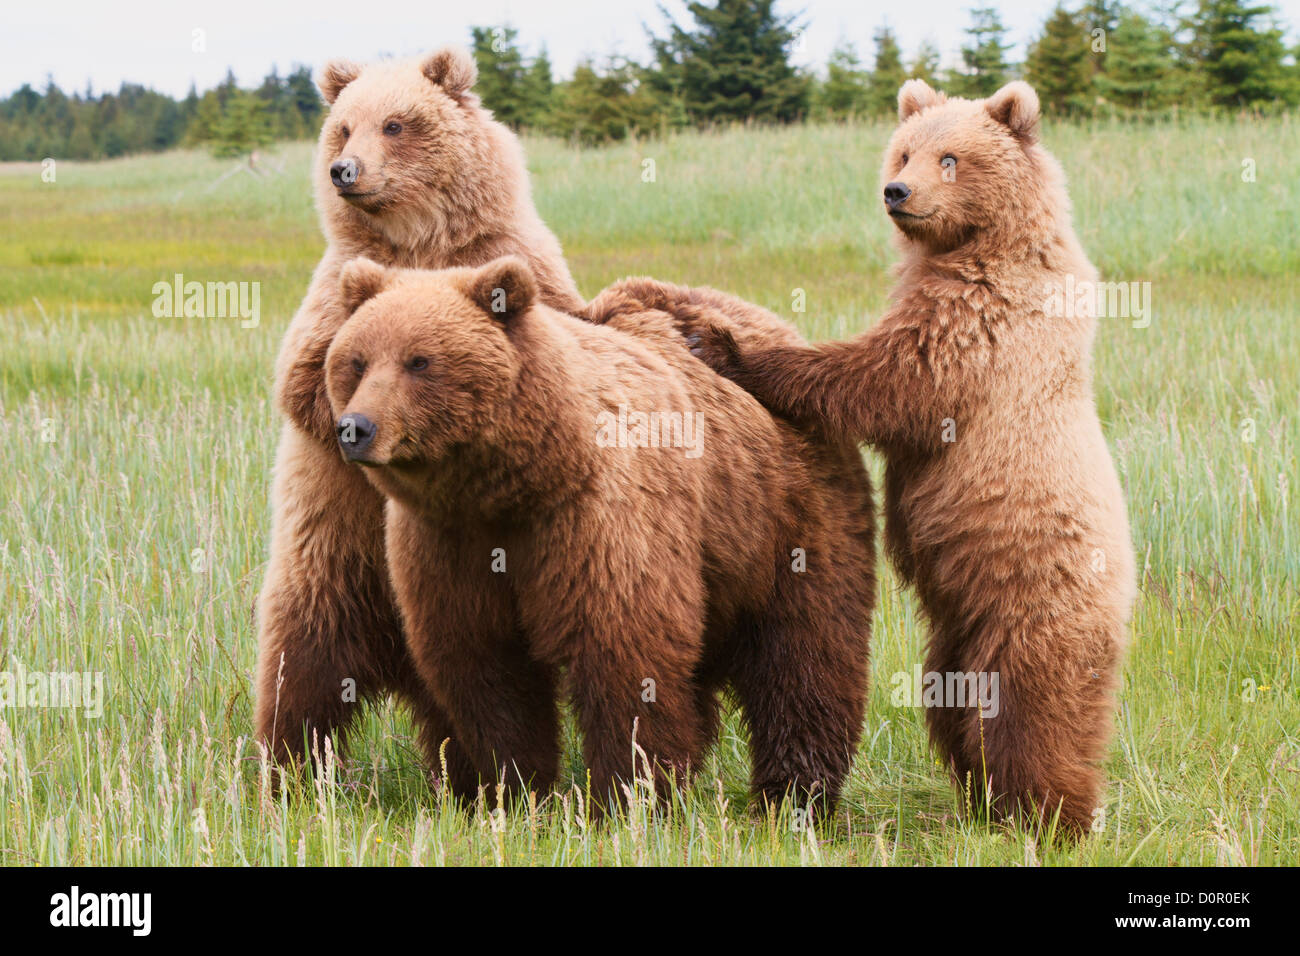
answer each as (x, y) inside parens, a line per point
(136, 451)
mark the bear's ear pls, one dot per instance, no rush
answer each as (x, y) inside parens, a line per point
(452, 68)
(504, 288)
(336, 75)
(914, 96)
(360, 280)
(1015, 106)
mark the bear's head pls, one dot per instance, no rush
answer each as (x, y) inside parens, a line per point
(958, 169)
(406, 145)
(425, 360)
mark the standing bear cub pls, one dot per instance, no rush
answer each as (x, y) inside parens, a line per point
(410, 171)
(586, 510)
(1002, 504)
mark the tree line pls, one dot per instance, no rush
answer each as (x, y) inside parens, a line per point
(731, 63)
(227, 118)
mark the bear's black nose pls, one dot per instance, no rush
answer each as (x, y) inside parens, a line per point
(344, 172)
(356, 432)
(896, 194)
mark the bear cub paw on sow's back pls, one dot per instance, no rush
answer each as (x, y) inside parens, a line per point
(584, 511)
(1003, 507)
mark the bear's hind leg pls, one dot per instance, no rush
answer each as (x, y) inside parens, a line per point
(948, 726)
(802, 681)
(1033, 748)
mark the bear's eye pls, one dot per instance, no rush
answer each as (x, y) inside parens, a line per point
(418, 364)
(392, 128)
(358, 366)
(905, 159)
(948, 162)
(345, 131)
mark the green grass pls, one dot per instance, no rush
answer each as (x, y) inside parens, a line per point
(136, 457)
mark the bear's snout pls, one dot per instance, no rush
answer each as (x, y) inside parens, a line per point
(896, 194)
(356, 434)
(344, 172)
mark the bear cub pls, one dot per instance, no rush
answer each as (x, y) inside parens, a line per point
(585, 510)
(1003, 507)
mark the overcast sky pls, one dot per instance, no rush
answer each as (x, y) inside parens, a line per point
(151, 41)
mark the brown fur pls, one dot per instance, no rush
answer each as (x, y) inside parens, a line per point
(622, 564)
(1014, 533)
(449, 188)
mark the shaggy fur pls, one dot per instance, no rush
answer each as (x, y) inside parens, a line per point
(1003, 506)
(531, 560)
(439, 184)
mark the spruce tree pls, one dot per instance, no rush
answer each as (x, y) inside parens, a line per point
(925, 65)
(306, 100)
(887, 73)
(1101, 19)
(502, 78)
(538, 90)
(243, 127)
(1057, 64)
(733, 64)
(984, 63)
(1240, 55)
(844, 94)
(203, 127)
(1140, 69)
(602, 105)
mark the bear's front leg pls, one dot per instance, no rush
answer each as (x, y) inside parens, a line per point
(461, 628)
(619, 603)
(880, 387)
(329, 634)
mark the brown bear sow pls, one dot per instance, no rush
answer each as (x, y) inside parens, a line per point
(585, 509)
(410, 171)
(1002, 503)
